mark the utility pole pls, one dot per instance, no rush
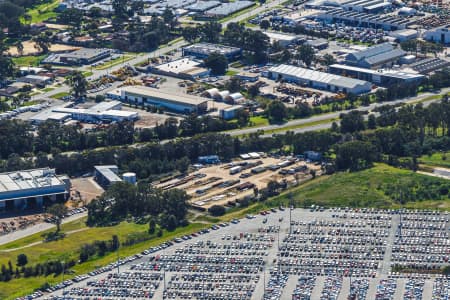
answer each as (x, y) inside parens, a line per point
(118, 265)
(264, 279)
(291, 205)
(63, 270)
(164, 282)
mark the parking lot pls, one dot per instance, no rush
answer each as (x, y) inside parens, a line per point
(219, 184)
(324, 254)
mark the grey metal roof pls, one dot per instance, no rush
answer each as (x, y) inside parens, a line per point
(108, 173)
(389, 73)
(386, 56)
(203, 5)
(226, 9)
(321, 77)
(371, 51)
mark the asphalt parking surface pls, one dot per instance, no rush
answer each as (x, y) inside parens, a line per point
(323, 255)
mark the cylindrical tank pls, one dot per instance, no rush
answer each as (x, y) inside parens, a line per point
(129, 177)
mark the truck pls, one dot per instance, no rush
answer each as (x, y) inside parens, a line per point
(235, 170)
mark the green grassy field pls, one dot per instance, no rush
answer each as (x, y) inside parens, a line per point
(43, 11)
(441, 159)
(68, 248)
(25, 61)
(358, 189)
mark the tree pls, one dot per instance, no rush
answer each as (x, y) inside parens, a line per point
(171, 223)
(243, 117)
(276, 111)
(19, 47)
(217, 62)
(152, 226)
(264, 24)
(42, 42)
(351, 122)
(217, 210)
(22, 260)
(58, 211)
(253, 90)
(210, 32)
(120, 9)
(306, 54)
(169, 17)
(234, 85)
(190, 34)
(328, 59)
(78, 83)
(355, 155)
(371, 122)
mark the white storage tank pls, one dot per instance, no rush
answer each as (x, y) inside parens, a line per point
(129, 177)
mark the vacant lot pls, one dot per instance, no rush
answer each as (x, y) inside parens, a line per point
(366, 188)
(87, 188)
(30, 49)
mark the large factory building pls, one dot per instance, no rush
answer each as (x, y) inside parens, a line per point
(32, 188)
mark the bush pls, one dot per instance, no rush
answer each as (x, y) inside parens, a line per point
(217, 210)
(22, 260)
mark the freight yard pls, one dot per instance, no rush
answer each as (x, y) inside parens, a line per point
(227, 183)
(321, 254)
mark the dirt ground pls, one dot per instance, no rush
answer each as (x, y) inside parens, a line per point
(148, 119)
(88, 189)
(56, 26)
(220, 173)
(29, 49)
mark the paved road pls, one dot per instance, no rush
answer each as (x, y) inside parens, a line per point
(326, 125)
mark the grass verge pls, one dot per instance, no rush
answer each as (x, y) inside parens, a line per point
(59, 95)
(114, 62)
(440, 159)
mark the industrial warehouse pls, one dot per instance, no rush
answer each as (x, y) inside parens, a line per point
(102, 112)
(151, 97)
(374, 57)
(184, 68)
(32, 188)
(203, 50)
(319, 80)
(380, 77)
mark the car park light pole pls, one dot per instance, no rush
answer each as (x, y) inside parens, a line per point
(64, 286)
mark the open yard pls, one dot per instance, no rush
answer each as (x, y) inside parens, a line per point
(215, 185)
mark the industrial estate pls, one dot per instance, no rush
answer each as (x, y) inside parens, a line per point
(212, 149)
